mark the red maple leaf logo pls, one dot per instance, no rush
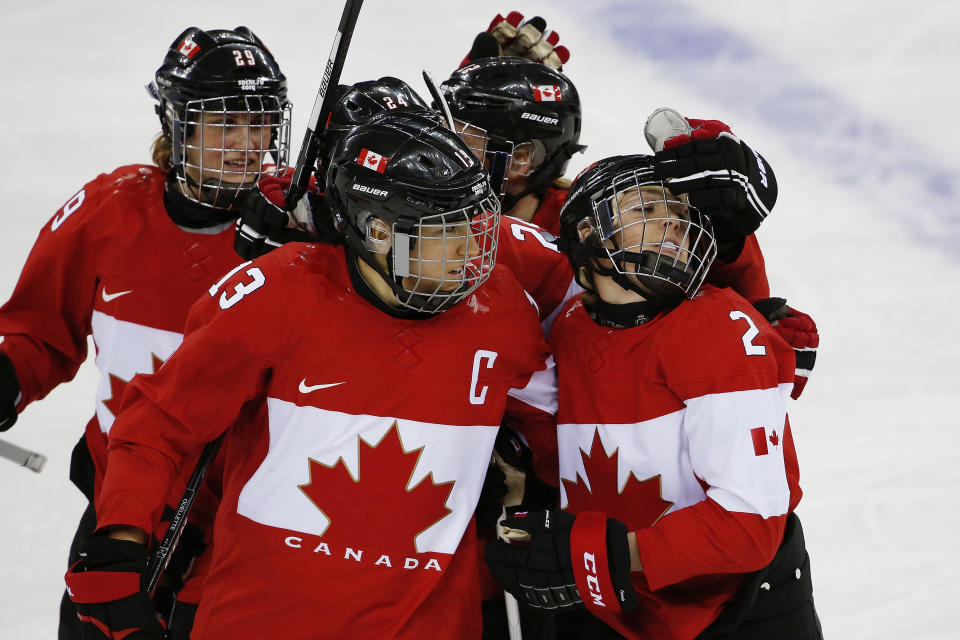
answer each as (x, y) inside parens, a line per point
(639, 504)
(774, 438)
(118, 385)
(376, 507)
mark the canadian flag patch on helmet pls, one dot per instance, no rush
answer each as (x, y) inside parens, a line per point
(372, 160)
(188, 48)
(547, 93)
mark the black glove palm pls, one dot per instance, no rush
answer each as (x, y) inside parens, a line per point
(722, 176)
(9, 393)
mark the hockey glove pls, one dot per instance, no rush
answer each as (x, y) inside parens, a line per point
(511, 480)
(9, 393)
(266, 224)
(800, 332)
(107, 585)
(561, 561)
(513, 36)
(722, 176)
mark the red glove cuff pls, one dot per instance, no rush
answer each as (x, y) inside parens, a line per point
(588, 553)
(92, 587)
(702, 130)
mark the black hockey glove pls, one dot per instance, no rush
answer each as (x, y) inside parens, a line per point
(514, 36)
(722, 176)
(566, 562)
(107, 585)
(800, 332)
(9, 393)
(513, 458)
(265, 223)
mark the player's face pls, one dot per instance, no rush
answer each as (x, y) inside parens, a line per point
(228, 148)
(651, 219)
(645, 220)
(441, 259)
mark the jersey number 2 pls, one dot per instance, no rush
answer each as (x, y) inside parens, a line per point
(747, 338)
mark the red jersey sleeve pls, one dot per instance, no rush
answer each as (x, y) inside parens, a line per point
(747, 275)
(733, 373)
(233, 336)
(536, 262)
(45, 324)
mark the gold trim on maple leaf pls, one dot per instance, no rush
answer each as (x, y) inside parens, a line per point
(371, 445)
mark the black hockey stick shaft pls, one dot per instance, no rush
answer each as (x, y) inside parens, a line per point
(323, 104)
(161, 556)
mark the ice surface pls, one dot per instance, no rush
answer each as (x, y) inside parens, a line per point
(852, 104)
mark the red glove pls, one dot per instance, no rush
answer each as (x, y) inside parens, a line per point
(513, 36)
(800, 332)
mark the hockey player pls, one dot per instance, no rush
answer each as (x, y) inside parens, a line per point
(130, 251)
(677, 462)
(524, 119)
(369, 380)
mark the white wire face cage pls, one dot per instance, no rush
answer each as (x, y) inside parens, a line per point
(497, 158)
(222, 146)
(651, 236)
(446, 256)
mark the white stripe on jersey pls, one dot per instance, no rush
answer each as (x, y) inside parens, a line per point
(710, 439)
(297, 434)
(541, 390)
(125, 349)
(718, 427)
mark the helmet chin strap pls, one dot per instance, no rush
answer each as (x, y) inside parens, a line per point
(631, 314)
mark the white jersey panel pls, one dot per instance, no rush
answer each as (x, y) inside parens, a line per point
(125, 349)
(541, 389)
(645, 449)
(736, 446)
(272, 496)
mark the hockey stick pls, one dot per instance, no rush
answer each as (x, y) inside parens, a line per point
(310, 148)
(438, 98)
(23, 457)
(161, 556)
(513, 610)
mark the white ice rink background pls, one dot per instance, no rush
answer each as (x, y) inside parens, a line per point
(854, 105)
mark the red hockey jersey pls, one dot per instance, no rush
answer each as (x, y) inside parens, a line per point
(541, 268)
(348, 512)
(678, 428)
(111, 262)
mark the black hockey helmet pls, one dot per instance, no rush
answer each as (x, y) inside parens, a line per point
(402, 182)
(358, 103)
(230, 79)
(620, 192)
(517, 101)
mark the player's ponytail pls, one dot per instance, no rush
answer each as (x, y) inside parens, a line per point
(161, 151)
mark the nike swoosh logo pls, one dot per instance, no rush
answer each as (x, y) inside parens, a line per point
(107, 297)
(305, 388)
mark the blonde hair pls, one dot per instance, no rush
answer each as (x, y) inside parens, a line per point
(162, 152)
